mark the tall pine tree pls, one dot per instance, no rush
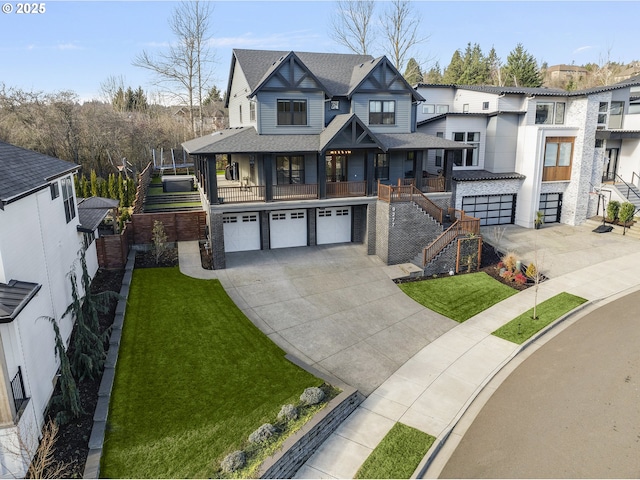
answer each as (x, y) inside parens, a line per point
(521, 69)
(453, 72)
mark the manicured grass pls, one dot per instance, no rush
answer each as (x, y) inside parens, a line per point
(524, 326)
(194, 378)
(398, 454)
(458, 297)
(157, 206)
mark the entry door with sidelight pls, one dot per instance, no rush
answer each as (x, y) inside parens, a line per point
(611, 167)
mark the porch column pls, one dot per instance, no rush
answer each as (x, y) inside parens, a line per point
(212, 180)
(447, 169)
(267, 168)
(322, 176)
(369, 171)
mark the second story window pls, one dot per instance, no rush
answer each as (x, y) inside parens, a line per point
(428, 108)
(292, 112)
(382, 112)
(252, 111)
(549, 113)
(67, 198)
(615, 114)
(558, 154)
(467, 158)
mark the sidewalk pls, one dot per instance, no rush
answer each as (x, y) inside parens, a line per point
(435, 387)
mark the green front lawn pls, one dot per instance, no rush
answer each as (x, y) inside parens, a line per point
(458, 297)
(398, 454)
(194, 378)
(524, 326)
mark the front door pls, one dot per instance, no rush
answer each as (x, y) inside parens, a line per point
(336, 168)
(611, 167)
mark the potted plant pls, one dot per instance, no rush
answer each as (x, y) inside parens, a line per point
(613, 208)
(539, 220)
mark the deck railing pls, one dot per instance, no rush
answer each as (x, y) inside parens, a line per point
(431, 184)
(464, 225)
(297, 191)
(346, 189)
(409, 193)
(253, 193)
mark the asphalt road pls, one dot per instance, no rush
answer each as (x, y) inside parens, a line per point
(571, 410)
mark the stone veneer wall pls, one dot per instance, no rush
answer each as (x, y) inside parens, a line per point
(299, 447)
(371, 233)
(311, 227)
(216, 237)
(484, 187)
(359, 213)
(402, 231)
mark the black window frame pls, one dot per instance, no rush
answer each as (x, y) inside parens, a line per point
(289, 112)
(55, 190)
(291, 173)
(381, 166)
(384, 116)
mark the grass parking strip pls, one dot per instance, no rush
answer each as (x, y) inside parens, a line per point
(194, 378)
(524, 326)
(398, 454)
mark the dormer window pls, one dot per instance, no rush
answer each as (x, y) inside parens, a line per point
(382, 112)
(292, 112)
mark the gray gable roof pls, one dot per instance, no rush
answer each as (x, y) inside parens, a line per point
(92, 210)
(14, 296)
(334, 70)
(25, 171)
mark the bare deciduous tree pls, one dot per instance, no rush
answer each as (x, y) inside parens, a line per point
(187, 63)
(400, 26)
(351, 25)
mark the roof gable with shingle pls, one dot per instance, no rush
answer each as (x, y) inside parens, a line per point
(24, 171)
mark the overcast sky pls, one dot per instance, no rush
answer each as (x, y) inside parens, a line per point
(78, 45)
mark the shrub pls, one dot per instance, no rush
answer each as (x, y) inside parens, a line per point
(262, 434)
(509, 261)
(312, 396)
(531, 271)
(507, 275)
(287, 413)
(625, 214)
(159, 239)
(520, 279)
(234, 461)
(613, 209)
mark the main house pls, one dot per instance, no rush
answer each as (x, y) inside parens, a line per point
(40, 237)
(311, 138)
(538, 149)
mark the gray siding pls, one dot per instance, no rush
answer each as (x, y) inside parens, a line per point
(501, 143)
(237, 97)
(360, 104)
(269, 113)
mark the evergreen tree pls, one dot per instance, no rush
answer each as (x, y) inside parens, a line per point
(475, 67)
(94, 184)
(434, 75)
(122, 194)
(521, 69)
(413, 73)
(66, 403)
(112, 186)
(495, 67)
(103, 188)
(85, 187)
(131, 192)
(454, 71)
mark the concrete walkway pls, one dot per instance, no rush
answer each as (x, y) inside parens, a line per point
(435, 387)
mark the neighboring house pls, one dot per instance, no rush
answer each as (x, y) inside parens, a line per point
(537, 148)
(39, 245)
(310, 137)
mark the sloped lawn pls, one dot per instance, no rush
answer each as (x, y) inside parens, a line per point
(458, 297)
(194, 377)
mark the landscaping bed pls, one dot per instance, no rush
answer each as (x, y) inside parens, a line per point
(72, 441)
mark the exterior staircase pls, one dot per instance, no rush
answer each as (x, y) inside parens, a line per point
(629, 192)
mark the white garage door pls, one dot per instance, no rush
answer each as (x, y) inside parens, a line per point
(241, 231)
(288, 228)
(333, 225)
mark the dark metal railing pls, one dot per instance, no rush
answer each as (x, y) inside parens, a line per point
(17, 389)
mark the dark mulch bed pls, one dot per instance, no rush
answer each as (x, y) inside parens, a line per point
(488, 264)
(169, 258)
(72, 442)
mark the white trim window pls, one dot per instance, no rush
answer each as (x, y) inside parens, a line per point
(428, 108)
(67, 199)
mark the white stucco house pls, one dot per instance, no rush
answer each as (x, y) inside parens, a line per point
(537, 149)
(39, 245)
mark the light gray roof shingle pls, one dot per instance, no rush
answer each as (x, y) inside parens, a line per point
(24, 171)
(14, 296)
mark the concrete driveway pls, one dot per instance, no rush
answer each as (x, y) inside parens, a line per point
(334, 307)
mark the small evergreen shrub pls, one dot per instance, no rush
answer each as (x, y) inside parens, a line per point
(262, 434)
(613, 209)
(234, 461)
(312, 396)
(625, 214)
(287, 413)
